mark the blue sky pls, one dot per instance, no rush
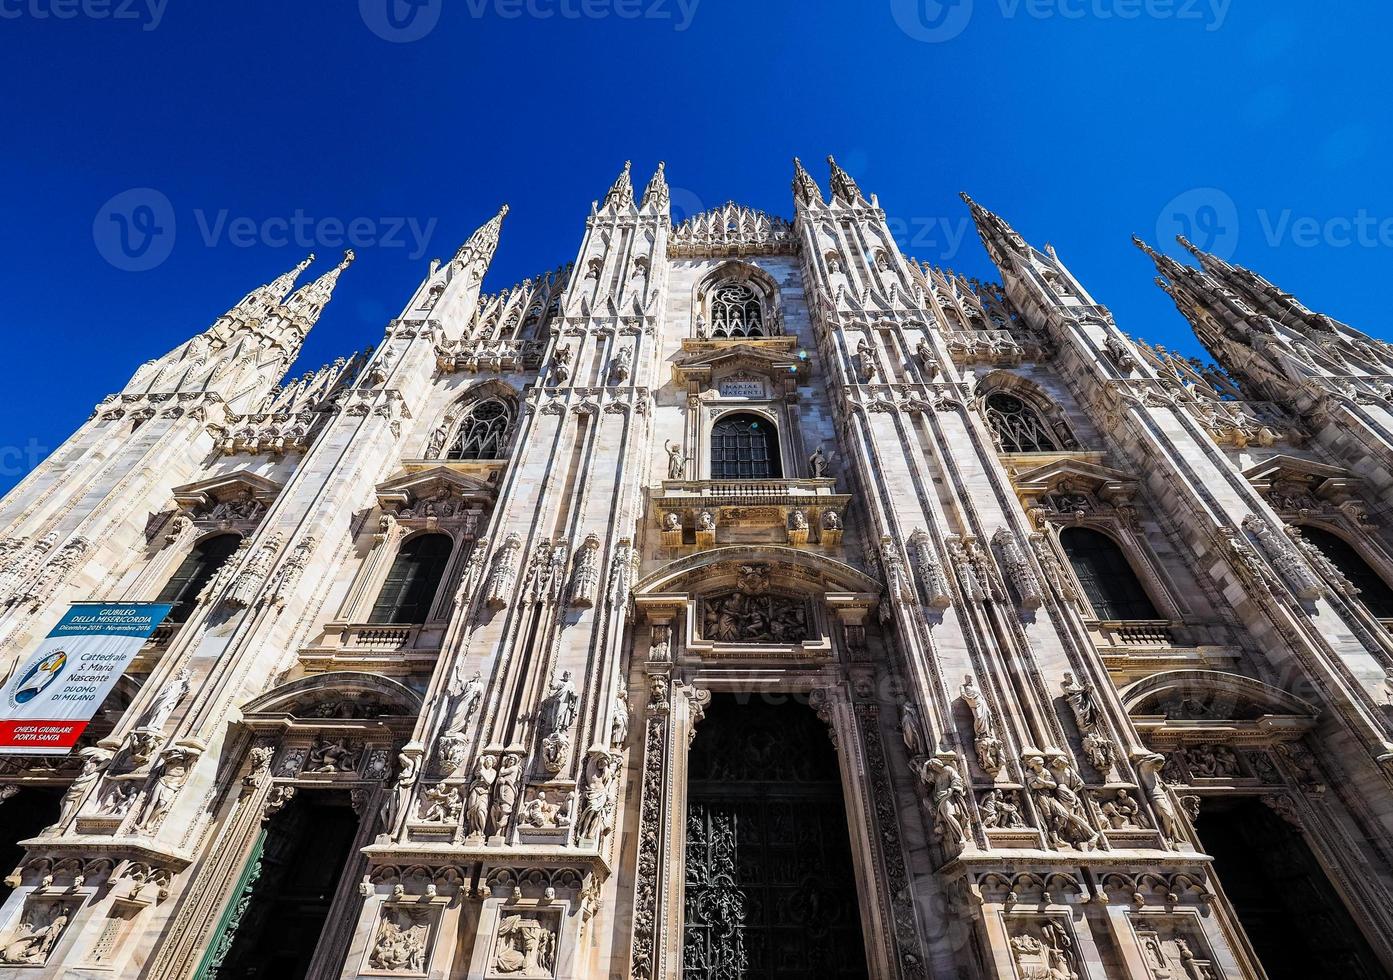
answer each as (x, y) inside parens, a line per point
(1262, 124)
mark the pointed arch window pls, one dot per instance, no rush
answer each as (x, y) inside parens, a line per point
(1106, 576)
(484, 429)
(1373, 590)
(736, 310)
(413, 581)
(744, 447)
(194, 573)
(1018, 426)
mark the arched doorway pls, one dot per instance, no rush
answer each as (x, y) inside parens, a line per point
(770, 890)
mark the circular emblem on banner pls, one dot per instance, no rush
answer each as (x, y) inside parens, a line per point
(36, 676)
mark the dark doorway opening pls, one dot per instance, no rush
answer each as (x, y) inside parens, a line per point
(1296, 922)
(21, 817)
(302, 856)
(770, 890)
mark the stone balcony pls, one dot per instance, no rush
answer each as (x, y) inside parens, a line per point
(386, 648)
(707, 513)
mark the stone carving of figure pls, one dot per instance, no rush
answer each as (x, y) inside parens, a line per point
(94, 762)
(621, 365)
(170, 777)
(525, 948)
(561, 368)
(560, 705)
(989, 750)
(912, 730)
(706, 521)
(465, 696)
(479, 791)
(676, 462)
(1149, 774)
(597, 796)
(672, 521)
(284, 580)
(865, 360)
(333, 756)
(1000, 808)
(401, 942)
(1059, 805)
(154, 717)
(817, 464)
(1096, 745)
(797, 520)
(1121, 811)
(437, 442)
(537, 812)
(38, 933)
(945, 785)
(442, 804)
(619, 719)
(505, 792)
(928, 363)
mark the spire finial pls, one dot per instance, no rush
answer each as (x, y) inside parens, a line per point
(843, 186)
(656, 193)
(621, 193)
(805, 189)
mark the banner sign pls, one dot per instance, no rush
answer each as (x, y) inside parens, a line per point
(49, 699)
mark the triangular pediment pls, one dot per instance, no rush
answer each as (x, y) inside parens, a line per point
(238, 486)
(1104, 481)
(716, 359)
(405, 489)
(1287, 467)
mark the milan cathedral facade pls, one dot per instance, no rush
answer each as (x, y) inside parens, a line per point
(740, 600)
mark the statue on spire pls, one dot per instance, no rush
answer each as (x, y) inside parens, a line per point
(805, 189)
(621, 194)
(844, 187)
(656, 193)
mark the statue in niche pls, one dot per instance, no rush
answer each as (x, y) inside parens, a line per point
(742, 618)
(525, 948)
(560, 705)
(505, 792)
(946, 792)
(401, 941)
(817, 464)
(1001, 808)
(479, 791)
(989, 751)
(597, 796)
(676, 462)
(43, 925)
(538, 813)
(338, 755)
(154, 717)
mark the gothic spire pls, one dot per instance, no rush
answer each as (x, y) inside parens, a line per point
(844, 187)
(805, 189)
(309, 301)
(656, 193)
(622, 192)
(1001, 239)
(484, 241)
(280, 287)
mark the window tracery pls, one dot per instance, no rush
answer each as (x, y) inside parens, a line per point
(1017, 426)
(481, 429)
(736, 310)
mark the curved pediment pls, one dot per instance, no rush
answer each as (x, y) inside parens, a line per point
(340, 694)
(789, 569)
(1211, 695)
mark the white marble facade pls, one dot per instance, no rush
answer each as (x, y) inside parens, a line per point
(1023, 746)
